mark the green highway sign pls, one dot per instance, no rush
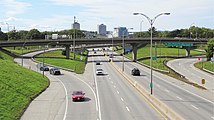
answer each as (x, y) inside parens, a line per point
(177, 44)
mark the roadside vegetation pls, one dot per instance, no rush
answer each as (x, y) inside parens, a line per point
(18, 50)
(206, 65)
(163, 53)
(18, 87)
(57, 59)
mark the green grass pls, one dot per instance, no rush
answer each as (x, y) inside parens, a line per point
(18, 50)
(77, 65)
(18, 86)
(207, 65)
(161, 51)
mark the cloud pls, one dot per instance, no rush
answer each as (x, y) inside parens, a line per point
(14, 7)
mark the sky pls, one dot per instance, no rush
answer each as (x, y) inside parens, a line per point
(55, 15)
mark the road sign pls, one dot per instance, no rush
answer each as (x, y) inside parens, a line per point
(199, 58)
(177, 44)
(203, 81)
(154, 58)
(150, 85)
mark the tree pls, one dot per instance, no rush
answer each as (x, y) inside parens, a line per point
(154, 32)
(3, 36)
(34, 34)
(12, 35)
(210, 50)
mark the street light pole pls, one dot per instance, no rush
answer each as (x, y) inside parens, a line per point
(124, 47)
(151, 21)
(141, 35)
(22, 51)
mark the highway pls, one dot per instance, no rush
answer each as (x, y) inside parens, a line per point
(187, 101)
(108, 97)
(186, 67)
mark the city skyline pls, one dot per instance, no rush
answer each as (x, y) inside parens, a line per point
(54, 15)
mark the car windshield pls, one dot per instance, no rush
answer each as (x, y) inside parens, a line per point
(99, 69)
(77, 93)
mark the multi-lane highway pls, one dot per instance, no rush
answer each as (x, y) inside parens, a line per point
(186, 67)
(191, 103)
(108, 97)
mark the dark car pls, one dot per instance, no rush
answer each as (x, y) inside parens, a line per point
(98, 63)
(136, 72)
(44, 68)
(78, 95)
(55, 71)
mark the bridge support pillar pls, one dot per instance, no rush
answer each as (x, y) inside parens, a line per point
(134, 52)
(67, 51)
(188, 51)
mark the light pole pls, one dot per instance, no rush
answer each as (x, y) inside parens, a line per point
(124, 46)
(43, 61)
(190, 31)
(141, 28)
(151, 21)
(22, 51)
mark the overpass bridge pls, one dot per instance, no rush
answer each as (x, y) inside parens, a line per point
(187, 43)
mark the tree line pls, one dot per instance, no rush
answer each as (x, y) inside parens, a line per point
(192, 32)
(35, 34)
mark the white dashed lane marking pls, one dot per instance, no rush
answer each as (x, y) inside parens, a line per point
(194, 107)
(179, 98)
(118, 92)
(167, 90)
(121, 99)
(127, 108)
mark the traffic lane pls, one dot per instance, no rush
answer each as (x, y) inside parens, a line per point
(174, 97)
(133, 102)
(186, 68)
(83, 110)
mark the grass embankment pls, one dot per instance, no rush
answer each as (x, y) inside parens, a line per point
(18, 86)
(161, 51)
(77, 65)
(207, 65)
(18, 50)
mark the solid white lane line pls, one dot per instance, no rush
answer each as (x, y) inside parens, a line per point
(127, 108)
(66, 95)
(194, 107)
(166, 90)
(121, 99)
(118, 92)
(179, 98)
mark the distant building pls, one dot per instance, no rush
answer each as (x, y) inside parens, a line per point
(75, 25)
(120, 32)
(101, 29)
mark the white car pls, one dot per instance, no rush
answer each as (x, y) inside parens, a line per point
(99, 71)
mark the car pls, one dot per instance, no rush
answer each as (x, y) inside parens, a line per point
(135, 72)
(44, 68)
(98, 63)
(78, 95)
(111, 56)
(55, 71)
(99, 71)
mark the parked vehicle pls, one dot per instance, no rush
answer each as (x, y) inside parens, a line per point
(55, 71)
(78, 95)
(135, 72)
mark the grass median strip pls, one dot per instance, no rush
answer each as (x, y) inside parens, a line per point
(18, 87)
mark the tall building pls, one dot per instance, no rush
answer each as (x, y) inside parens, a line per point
(120, 32)
(101, 29)
(75, 25)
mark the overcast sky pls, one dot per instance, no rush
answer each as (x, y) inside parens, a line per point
(53, 15)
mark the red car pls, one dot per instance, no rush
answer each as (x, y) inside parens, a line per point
(78, 95)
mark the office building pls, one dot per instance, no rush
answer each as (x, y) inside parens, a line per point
(101, 29)
(120, 32)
